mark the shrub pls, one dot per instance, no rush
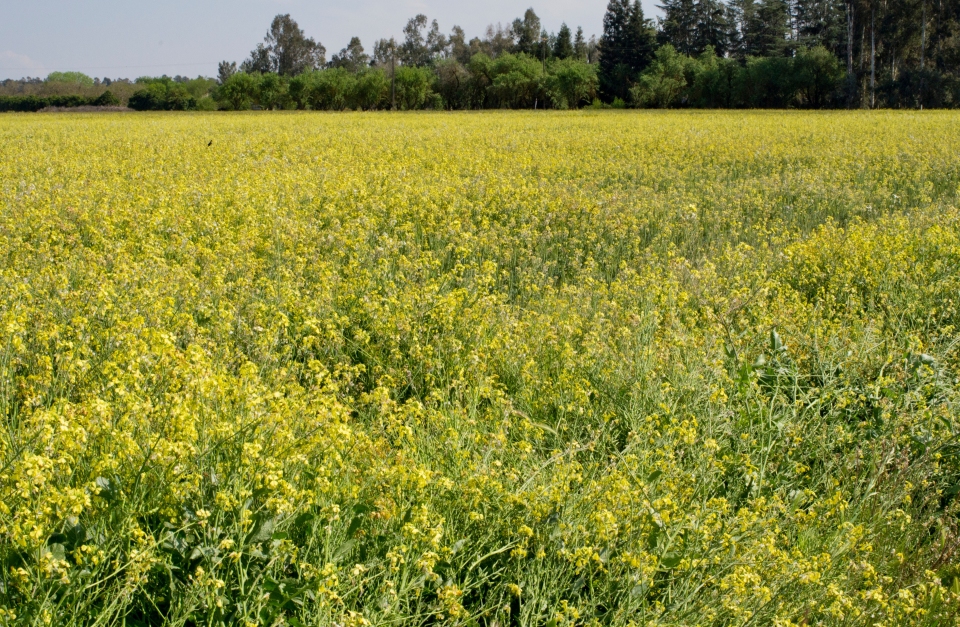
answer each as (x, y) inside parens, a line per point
(107, 99)
(237, 93)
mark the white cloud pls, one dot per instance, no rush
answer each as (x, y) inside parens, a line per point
(10, 61)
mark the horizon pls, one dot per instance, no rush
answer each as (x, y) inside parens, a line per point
(177, 38)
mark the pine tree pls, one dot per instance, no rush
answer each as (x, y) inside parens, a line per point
(580, 45)
(760, 27)
(641, 39)
(563, 47)
(612, 44)
(771, 28)
(821, 23)
(713, 27)
(626, 48)
(678, 26)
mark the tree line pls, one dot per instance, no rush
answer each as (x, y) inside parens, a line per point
(699, 53)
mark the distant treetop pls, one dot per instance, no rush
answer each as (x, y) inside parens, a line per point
(72, 78)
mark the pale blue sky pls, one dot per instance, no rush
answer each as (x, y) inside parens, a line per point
(130, 38)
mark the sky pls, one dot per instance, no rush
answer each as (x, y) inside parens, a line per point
(131, 38)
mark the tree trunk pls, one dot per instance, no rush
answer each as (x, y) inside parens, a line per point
(923, 49)
(863, 46)
(851, 83)
(923, 35)
(850, 38)
(873, 57)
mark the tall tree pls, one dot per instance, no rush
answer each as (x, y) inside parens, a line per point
(497, 40)
(286, 50)
(225, 70)
(563, 46)
(580, 45)
(626, 48)
(527, 33)
(384, 52)
(259, 61)
(459, 48)
(414, 50)
(678, 26)
(821, 23)
(770, 30)
(436, 42)
(352, 58)
(761, 27)
(713, 27)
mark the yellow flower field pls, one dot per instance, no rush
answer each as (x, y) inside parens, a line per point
(501, 369)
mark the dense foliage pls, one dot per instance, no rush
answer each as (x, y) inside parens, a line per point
(558, 369)
(165, 94)
(37, 103)
(509, 81)
(900, 54)
(72, 89)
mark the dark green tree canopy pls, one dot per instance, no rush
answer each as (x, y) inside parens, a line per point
(692, 25)
(563, 46)
(414, 50)
(580, 45)
(626, 48)
(527, 33)
(285, 50)
(351, 58)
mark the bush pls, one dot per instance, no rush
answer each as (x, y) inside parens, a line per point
(273, 92)
(107, 99)
(206, 103)
(517, 82)
(663, 84)
(22, 104)
(177, 98)
(370, 90)
(29, 104)
(237, 93)
(414, 87)
(713, 81)
(331, 89)
(817, 76)
(811, 79)
(571, 83)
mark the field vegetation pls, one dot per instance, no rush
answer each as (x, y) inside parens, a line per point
(543, 369)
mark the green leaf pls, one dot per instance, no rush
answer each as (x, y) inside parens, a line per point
(344, 550)
(264, 531)
(354, 526)
(776, 344)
